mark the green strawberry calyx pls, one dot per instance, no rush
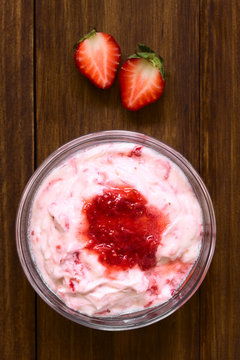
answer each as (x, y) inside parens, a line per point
(144, 52)
(87, 36)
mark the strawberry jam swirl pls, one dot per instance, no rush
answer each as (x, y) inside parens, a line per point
(123, 230)
(115, 229)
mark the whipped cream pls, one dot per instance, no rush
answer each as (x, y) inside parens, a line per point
(58, 229)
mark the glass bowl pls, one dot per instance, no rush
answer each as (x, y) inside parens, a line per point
(136, 319)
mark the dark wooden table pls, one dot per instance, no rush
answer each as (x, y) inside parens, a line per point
(45, 102)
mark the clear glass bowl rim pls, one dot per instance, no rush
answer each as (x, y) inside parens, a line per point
(136, 319)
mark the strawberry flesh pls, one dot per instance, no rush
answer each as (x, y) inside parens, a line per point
(141, 80)
(97, 56)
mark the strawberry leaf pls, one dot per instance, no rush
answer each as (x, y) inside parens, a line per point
(161, 59)
(133, 56)
(144, 48)
(87, 36)
(145, 55)
(149, 55)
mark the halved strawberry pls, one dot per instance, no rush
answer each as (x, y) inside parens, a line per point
(97, 56)
(141, 78)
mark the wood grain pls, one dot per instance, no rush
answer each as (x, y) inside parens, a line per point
(69, 106)
(17, 314)
(197, 115)
(220, 159)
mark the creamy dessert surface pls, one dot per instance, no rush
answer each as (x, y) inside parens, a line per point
(115, 229)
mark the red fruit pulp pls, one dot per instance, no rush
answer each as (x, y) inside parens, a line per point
(123, 229)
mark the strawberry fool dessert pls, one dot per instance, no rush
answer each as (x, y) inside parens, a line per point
(115, 229)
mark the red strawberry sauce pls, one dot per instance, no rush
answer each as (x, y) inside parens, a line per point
(123, 229)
